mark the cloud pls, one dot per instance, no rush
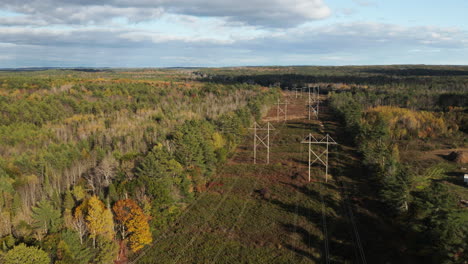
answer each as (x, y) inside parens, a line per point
(263, 13)
(358, 38)
(310, 38)
(333, 44)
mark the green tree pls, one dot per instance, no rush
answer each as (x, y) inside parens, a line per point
(442, 224)
(70, 250)
(158, 172)
(68, 201)
(6, 188)
(23, 254)
(112, 193)
(106, 251)
(194, 146)
(46, 217)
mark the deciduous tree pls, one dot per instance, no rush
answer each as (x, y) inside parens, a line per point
(99, 220)
(23, 254)
(133, 223)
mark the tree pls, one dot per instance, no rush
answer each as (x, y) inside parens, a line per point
(112, 193)
(189, 143)
(68, 201)
(6, 189)
(107, 250)
(79, 222)
(23, 254)
(442, 224)
(133, 222)
(70, 250)
(78, 192)
(158, 172)
(105, 171)
(99, 220)
(46, 217)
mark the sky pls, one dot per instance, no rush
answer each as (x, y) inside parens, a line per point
(216, 33)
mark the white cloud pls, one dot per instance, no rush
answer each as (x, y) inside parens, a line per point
(332, 44)
(160, 38)
(265, 13)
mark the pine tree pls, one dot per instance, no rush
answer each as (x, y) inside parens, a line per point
(107, 250)
(158, 172)
(46, 217)
(68, 201)
(70, 250)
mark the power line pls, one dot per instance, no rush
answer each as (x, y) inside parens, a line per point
(313, 102)
(242, 210)
(357, 237)
(179, 219)
(262, 140)
(324, 227)
(327, 140)
(282, 109)
(179, 255)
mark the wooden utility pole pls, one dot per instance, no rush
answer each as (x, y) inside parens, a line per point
(282, 108)
(310, 139)
(265, 140)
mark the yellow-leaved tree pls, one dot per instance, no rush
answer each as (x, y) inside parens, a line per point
(99, 220)
(133, 223)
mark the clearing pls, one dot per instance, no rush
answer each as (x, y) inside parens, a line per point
(272, 214)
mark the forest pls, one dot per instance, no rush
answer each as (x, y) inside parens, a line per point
(96, 164)
(418, 197)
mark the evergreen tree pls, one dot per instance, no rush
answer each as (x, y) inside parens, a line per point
(158, 172)
(106, 250)
(70, 250)
(68, 201)
(46, 217)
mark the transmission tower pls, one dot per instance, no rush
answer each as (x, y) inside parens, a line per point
(313, 102)
(310, 139)
(282, 108)
(298, 92)
(262, 140)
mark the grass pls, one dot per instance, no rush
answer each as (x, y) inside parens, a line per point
(234, 223)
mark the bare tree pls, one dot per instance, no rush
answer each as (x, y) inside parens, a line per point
(106, 171)
(79, 225)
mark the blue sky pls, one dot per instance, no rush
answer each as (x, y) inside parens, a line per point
(168, 33)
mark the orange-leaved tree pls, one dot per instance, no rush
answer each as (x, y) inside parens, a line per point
(133, 223)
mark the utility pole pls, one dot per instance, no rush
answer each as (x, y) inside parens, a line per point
(282, 108)
(313, 103)
(310, 139)
(299, 92)
(265, 140)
